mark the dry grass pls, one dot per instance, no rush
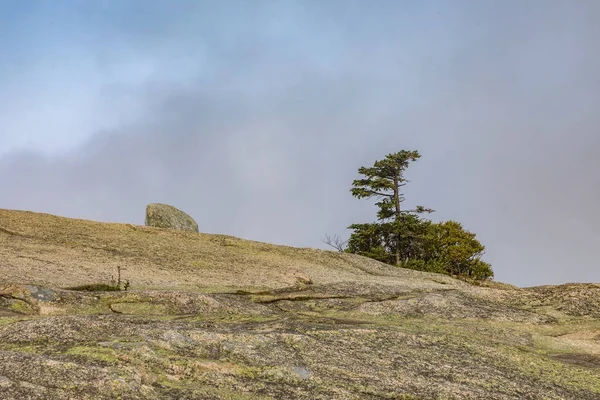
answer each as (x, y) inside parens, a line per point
(61, 252)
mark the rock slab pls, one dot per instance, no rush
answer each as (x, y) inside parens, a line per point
(166, 216)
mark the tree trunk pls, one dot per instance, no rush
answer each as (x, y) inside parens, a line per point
(398, 216)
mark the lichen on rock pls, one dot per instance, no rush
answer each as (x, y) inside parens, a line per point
(216, 317)
(166, 216)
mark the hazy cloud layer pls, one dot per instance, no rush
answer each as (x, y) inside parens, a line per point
(254, 118)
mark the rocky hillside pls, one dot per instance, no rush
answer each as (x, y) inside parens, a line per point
(216, 317)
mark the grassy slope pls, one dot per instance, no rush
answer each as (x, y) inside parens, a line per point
(56, 251)
(362, 330)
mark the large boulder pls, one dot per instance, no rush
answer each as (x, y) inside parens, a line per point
(166, 216)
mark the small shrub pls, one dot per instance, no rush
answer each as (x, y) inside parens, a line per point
(436, 266)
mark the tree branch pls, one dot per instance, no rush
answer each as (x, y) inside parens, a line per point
(378, 193)
(336, 242)
(418, 210)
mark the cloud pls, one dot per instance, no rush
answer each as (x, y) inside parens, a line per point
(255, 120)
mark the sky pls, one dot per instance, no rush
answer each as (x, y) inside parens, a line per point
(253, 117)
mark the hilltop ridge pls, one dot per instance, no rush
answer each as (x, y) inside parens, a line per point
(50, 250)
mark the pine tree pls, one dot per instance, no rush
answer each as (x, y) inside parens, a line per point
(385, 180)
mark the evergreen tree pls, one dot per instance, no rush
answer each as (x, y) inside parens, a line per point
(385, 180)
(403, 237)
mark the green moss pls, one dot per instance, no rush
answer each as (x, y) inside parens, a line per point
(10, 320)
(547, 369)
(95, 353)
(21, 307)
(173, 383)
(22, 348)
(250, 372)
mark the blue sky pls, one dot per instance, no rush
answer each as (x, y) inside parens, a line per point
(254, 117)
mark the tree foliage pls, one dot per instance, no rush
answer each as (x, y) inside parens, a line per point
(385, 180)
(402, 236)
